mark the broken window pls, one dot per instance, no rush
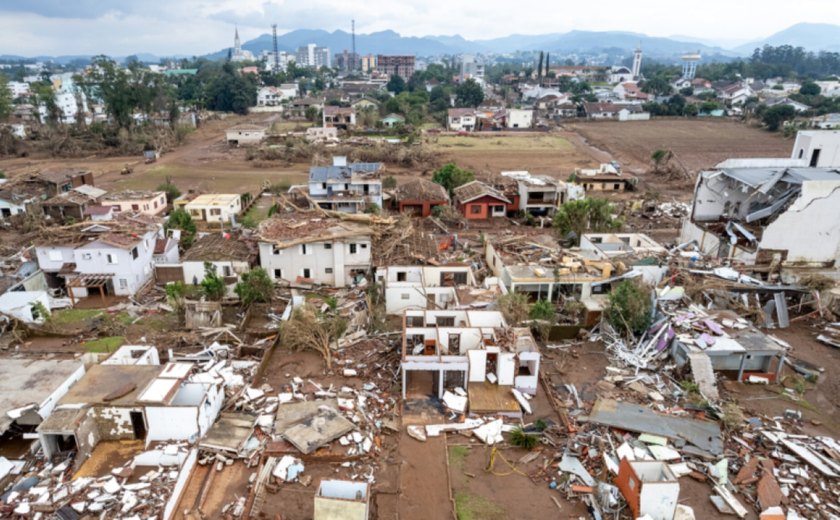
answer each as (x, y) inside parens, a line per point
(352, 249)
(278, 273)
(307, 273)
(328, 270)
(401, 278)
(327, 246)
(303, 249)
(111, 258)
(134, 253)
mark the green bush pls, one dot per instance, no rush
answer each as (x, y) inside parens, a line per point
(629, 307)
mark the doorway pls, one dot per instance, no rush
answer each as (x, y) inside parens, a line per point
(815, 158)
(138, 423)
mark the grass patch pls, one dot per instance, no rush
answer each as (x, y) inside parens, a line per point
(104, 345)
(67, 317)
(472, 507)
(508, 143)
(457, 454)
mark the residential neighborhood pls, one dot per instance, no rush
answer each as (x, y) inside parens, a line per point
(291, 272)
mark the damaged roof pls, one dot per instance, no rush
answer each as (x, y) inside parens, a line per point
(288, 230)
(421, 189)
(215, 247)
(27, 381)
(475, 190)
(112, 385)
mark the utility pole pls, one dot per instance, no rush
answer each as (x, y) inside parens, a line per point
(276, 54)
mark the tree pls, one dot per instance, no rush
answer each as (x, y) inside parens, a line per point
(172, 191)
(213, 285)
(629, 308)
(658, 86)
(389, 182)
(809, 88)
(5, 98)
(586, 216)
(450, 177)
(396, 84)
(773, 117)
(687, 91)
(309, 330)
(540, 66)
(181, 219)
(256, 286)
(546, 64)
(514, 307)
(469, 94)
(438, 99)
(44, 95)
(543, 310)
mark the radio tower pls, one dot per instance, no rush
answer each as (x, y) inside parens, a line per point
(276, 54)
(353, 51)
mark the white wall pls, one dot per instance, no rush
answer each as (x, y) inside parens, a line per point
(51, 258)
(520, 118)
(827, 141)
(809, 229)
(130, 274)
(292, 261)
(46, 406)
(14, 209)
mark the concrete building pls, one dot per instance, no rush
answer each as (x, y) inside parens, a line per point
(339, 117)
(819, 148)
(606, 246)
(541, 194)
(214, 207)
(461, 347)
(30, 307)
(313, 56)
(319, 250)
(30, 390)
(388, 66)
(245, 134)
(145, 201)
(461, 119)
(345, 187)
(274, 96)
(777, 213)
(423, 287)
(231, 256)
(103, 258)
(122, 402)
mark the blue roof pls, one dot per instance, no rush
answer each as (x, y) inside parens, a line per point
(327, 173)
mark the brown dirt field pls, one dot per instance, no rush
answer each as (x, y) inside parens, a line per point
(696, 143)
(424, 488)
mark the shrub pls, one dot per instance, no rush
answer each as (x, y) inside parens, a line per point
(256, 286)
(629, 308)
(519, 438)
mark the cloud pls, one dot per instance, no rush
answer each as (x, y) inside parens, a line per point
(119, 27)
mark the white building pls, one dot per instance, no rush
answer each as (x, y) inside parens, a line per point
(18, 88)
(519, 118)
(319, 250)
(342, 500)
(229, 255)
(313, 56)
(469, 345)
(245, 134)
(164, 404)
(423, 287)
(778, 212)
(541, 194)
(273, 96)
(102, 259)
(26, 306)
(214, 207)
(819, 148)
(345, 187)
(461, 119)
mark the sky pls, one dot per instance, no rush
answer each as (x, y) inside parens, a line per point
(196, 27)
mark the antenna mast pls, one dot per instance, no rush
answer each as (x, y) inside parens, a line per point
(276, 54)
(353, 55)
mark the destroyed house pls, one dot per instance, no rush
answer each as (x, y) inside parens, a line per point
(63, 180)
(16, 198)
(349, 188)
(767, 214)
(107, 258)
(423, 287)
(466, 348)
(324, 250)
(339, 117)
(541, 194)
(477, 200)
(124, 402)
(30, 390)
(419, 197)
(540, 268)
(737, 350)
(72, 205)
(605, 246)
(229, 255)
